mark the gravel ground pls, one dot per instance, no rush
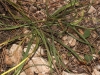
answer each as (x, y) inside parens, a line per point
(36, 10)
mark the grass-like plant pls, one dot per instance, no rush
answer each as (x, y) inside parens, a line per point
(41, 34)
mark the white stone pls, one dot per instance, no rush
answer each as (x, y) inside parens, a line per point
(95, 72)
(42, 67)
(66, 73)
(39, 52)
(72, 41)
(15, 53)
(91, 10)
(23, 73)
(64, 37)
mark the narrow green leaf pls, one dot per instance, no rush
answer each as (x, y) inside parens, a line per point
(64, 8)
(76, 22)
(11, 27)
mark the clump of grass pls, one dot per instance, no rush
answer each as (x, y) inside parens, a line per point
(41, 35)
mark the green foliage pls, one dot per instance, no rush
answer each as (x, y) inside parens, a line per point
(86, 33)
(88, 58)
(44, 33)
(99, 52)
